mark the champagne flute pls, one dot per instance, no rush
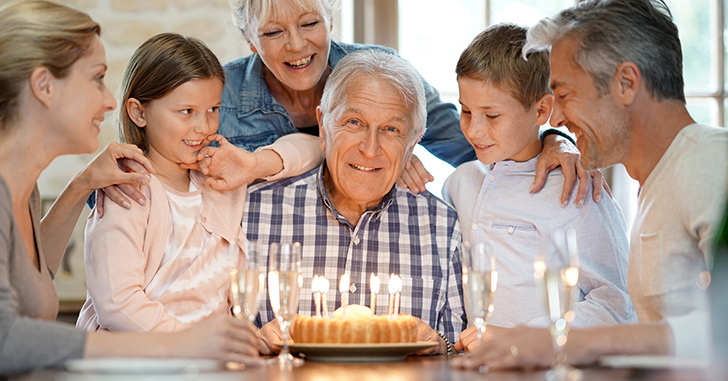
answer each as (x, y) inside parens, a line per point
(284, 283)
(246, 282)
(557, 273)
(479, 282)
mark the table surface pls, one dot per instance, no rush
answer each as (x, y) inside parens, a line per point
(413, 368)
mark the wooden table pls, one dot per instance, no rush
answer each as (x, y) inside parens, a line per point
(414, 368)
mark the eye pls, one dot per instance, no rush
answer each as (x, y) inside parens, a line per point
(310, 24)
(492, 116)
(100, 78)
(392, 129)
(353, 122)
(272, 33)
(186, 111)
(465, 112)
(214, 109)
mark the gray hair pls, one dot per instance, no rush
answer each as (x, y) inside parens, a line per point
(249, 14)
(610, 32)
(376, 63)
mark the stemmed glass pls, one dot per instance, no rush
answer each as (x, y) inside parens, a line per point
(479, 282)
(284, 283)
(246, 282)
(557, 272)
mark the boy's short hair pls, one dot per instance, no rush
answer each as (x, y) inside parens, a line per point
(495, 56)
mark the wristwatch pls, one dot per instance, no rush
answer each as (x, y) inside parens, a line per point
(450, 348)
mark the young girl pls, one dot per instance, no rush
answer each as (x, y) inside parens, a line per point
(165, 265)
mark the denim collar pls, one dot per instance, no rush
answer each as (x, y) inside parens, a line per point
(254, 93)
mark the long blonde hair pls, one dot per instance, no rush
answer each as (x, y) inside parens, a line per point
(37, 34)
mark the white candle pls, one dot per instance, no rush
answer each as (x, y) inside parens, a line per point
(315, 288)
(324, 288)
(395, 288)
(344, 290)
(374, 285)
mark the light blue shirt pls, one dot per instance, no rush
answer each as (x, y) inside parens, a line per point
(250, 117)
(494, 206)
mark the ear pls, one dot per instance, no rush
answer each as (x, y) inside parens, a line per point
(629, 80)
(135, 110)
(322, 130)
(42, 85)
(545, 106)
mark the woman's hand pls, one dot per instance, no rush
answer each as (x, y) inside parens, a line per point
(221, 337)
(118, 172)
(414, 176)
(558, 151)
(228, 167)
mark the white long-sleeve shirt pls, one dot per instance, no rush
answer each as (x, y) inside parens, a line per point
(494, 206)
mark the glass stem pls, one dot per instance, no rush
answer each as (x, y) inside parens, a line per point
(559, 340)
(285, 332)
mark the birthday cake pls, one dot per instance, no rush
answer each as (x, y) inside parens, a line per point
(357, 325)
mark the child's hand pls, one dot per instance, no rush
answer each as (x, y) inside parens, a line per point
(226, 167)
(414, 176)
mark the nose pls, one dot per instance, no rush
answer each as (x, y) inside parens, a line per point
(207, 124)
(109, 101)
(296, 42)
(473, 128)
(370, 145)
(557, 116)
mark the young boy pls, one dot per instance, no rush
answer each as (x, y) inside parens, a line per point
(504, 101)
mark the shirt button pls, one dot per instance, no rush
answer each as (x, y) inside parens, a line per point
(237, 240)
(511, 229)
(474, 227)
(352, 288)
(491, 177)
(203, 219)
(356, 242)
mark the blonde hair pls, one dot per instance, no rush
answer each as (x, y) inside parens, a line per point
(253, 13)
(37, 34)
(160, 65)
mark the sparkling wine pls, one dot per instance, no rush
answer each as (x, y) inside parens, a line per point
(283, 288)
(559, 292)
(245, 286)
(480, 287)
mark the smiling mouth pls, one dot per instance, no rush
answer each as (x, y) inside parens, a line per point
(192, 143)
(363, 168)
(299, 64)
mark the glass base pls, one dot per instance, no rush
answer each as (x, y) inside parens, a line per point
(285, 359)
(563, 373)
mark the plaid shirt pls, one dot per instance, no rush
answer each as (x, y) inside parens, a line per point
(415, 236)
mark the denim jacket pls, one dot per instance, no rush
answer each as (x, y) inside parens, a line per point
(251, 118)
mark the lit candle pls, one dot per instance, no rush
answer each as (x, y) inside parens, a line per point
(374, 285)
(324, 288)
(395, 288)
(344, 290)
(315, 288)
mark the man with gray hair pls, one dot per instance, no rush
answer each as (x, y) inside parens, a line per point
(349, 215)
(616, 74)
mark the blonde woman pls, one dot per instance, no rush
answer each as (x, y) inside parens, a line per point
(52, 101)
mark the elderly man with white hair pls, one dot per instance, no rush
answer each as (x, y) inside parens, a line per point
(350, 216)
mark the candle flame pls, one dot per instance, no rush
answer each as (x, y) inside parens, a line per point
(395, 284)
(344, 283)
(323, 284)
(374, 283)
(315, 284)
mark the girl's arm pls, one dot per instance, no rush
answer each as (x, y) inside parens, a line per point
(227, 166)
(57, 226)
